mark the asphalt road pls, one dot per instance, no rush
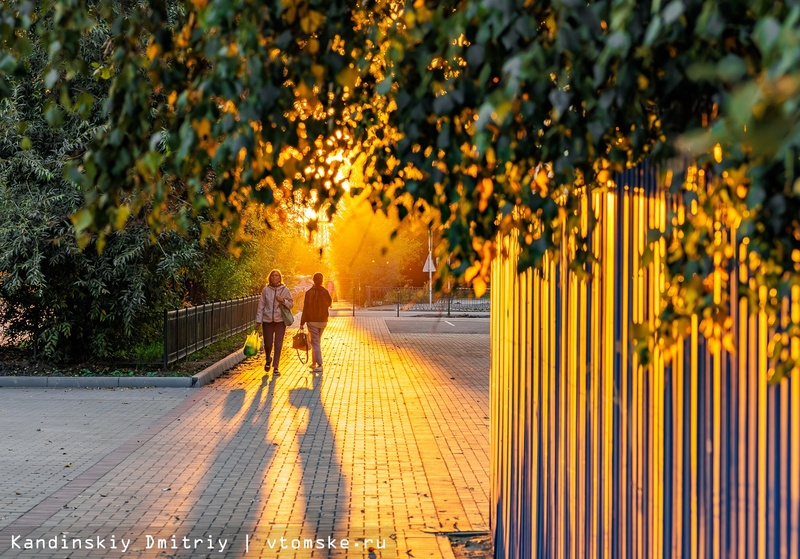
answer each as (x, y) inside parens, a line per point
(425, 325)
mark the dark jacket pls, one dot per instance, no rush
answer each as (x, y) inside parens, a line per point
(315, 305)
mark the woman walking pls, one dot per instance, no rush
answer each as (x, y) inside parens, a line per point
(315, 311)
(274, 295)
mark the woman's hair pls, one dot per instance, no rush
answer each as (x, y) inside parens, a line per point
(276, 271)
(318, 279)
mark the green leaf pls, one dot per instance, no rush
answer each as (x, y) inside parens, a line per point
(766, 34)
(755, 196)
(7, 63)
(54, 116)
(51, 78)
(652, 30)
(384, 86)
(84, 103)
(673, 11)
(82, 219)
(647, 257)
(731, 69)
(654, 235)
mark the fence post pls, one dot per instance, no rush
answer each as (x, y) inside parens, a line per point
(253, 309)
(353, 299)
(449, 300)
(166, 337)
(398, 303)
(213, 330)
(195, 328)
(185, 329)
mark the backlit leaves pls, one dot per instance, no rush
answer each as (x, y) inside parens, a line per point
(499, 116)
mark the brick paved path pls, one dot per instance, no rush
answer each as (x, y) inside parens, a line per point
(386, 448)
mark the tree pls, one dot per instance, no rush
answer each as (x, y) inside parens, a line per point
(65, 299)
(72, 303)
(286, 246)
(364, 252)
(500, 116)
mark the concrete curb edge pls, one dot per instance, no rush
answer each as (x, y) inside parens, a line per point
(200, 379)
(210, 373)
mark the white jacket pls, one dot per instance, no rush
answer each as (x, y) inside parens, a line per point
(269, 310)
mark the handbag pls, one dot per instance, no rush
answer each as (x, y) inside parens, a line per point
(252, 344)
(288, 317)
(301, 341)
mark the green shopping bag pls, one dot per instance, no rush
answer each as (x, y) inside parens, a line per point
(252, 344)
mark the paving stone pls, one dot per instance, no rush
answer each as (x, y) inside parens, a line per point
(389, 444)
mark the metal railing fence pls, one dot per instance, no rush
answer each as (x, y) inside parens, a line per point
(459, 300)
(190, 329)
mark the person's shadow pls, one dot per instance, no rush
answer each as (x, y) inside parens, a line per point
(238, 480)
(325, 487)
(236, 473)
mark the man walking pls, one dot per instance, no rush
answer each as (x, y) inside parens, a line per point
(315, 311)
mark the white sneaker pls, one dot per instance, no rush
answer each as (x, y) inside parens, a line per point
(317, 369)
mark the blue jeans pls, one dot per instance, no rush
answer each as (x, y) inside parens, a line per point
(274, 330)
(316, 350)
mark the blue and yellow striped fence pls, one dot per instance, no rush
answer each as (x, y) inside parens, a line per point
(595, 457)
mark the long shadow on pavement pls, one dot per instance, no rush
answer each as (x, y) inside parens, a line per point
(228, 499)
(256, 492)
(326, 489)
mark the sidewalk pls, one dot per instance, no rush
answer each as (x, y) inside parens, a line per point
(344, 308)
(387, 449)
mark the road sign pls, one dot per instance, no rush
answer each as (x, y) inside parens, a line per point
(429, 265)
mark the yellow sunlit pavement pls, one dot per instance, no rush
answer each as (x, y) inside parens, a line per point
(387, 449)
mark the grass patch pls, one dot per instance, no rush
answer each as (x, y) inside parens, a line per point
(144, 360)
(149, 352)
(209, 355)
(226, 346)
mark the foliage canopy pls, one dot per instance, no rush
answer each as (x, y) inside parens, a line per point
(499, 115)
(75, 303)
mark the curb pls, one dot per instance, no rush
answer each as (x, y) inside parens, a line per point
(210, 373)
(196, 381)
